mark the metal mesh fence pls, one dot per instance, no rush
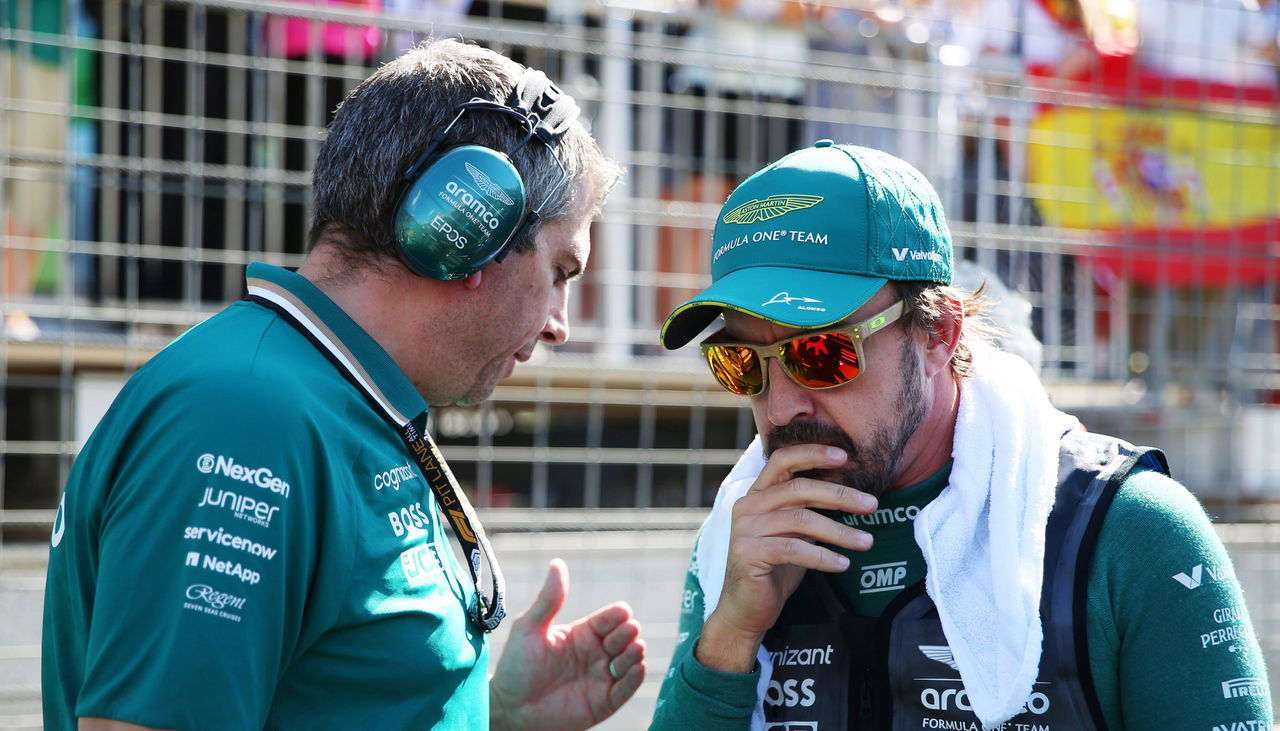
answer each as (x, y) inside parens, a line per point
(1113, 176)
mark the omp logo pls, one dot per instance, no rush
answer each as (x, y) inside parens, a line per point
(771, 207)
(882, 577)
(216, 599)
(394, 476)
(940, 653)
(945, 700)
(227, 467)
(487, 186)
(1244, 687)
(783, 298)
(902, 254)
(1194, 580)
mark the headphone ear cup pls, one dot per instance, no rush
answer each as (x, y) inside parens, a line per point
(459, 213)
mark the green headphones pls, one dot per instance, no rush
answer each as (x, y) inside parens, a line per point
(463, 206)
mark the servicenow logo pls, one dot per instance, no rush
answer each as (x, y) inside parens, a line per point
(227, 467)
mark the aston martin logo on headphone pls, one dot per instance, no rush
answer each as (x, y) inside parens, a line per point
(490, 188)
(771, 207)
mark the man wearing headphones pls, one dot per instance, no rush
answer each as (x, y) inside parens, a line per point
(257, 533)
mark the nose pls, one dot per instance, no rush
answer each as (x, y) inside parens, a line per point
(556, 329)
(786, 400)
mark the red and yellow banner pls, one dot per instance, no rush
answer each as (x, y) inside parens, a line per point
(1183, 196)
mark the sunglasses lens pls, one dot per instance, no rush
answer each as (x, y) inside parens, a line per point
(737, 369)
(821, 361)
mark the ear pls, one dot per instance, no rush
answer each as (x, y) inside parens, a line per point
(944, 337)
(472, 280)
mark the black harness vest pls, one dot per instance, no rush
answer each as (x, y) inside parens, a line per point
(836, 670)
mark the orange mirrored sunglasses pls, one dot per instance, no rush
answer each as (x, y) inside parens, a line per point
(816, 360)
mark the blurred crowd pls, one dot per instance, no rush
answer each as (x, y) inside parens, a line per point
(786, 59)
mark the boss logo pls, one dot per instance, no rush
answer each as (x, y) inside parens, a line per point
(791, 693)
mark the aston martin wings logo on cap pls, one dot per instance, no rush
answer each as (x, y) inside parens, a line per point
(487, 185)
(771, 207)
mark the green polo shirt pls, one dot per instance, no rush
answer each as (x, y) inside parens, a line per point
(245, 543)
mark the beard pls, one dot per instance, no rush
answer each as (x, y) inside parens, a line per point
(872, 466)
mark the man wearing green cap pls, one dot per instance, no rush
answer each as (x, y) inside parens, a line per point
(917, 538)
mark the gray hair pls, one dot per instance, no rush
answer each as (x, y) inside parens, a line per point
(390, 118)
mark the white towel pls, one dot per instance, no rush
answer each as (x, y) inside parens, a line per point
(1003, 482)
(983, 537)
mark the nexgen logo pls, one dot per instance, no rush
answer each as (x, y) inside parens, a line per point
(227, 467)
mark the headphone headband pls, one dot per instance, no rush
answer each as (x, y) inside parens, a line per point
(536, 97)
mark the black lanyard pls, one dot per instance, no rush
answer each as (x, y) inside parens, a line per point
(466, 526)
(488, 613)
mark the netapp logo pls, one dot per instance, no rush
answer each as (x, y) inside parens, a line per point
(227, 467)
(217, 565)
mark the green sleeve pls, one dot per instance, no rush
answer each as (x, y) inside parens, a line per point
(1170, 641)
(693, 695)
(208, 550)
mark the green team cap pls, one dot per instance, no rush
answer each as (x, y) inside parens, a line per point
(808, 240)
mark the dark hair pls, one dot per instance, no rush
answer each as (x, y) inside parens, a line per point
(390, 118)
(928, 302)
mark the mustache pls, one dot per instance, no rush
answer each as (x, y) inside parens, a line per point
(809, 432)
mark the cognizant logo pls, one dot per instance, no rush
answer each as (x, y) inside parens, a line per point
(393, 477)
(227, 467)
